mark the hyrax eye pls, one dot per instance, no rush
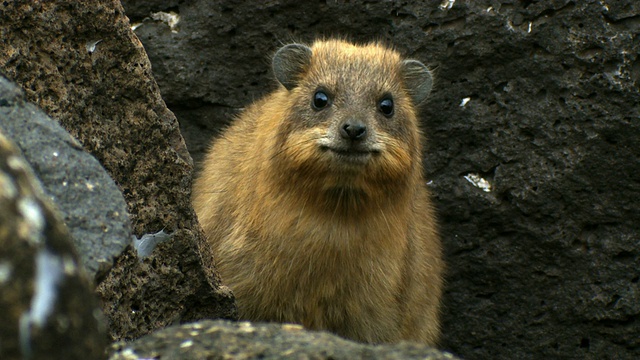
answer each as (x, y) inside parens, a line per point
(320, 100)
(386, 107)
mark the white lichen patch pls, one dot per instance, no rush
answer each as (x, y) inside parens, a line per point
(69, 265)
(145, 245)
(30, 210)
(9, 190)
(212, 330)
(464, 101)
(292, 327)
(15, 163)
(129, 353)
(477, 181)
(6, 269)
(49, 273)
(186, 344)
(246, 327)
(447, 4)
(91, 45)
(620, 75)
(171, 19)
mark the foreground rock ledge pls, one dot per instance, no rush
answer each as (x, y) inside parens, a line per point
(225, 339)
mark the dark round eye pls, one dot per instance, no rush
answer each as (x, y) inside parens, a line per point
(386, 107)
(320, 100)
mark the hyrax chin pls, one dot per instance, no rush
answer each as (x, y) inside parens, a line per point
(314, 202)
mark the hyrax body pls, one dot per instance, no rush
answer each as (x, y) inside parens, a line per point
(314, 200)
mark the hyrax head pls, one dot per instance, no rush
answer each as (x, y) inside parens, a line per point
(350, 109)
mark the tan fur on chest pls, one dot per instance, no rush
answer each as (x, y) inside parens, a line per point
(316, 210)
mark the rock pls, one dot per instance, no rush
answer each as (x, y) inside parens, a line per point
(82, 64)
(91, 204)
(47, 305)
(532, 148)
(139, 9)
(232, 340)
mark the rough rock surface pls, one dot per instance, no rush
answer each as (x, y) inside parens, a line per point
(89, 201)
(47, 306)
(81, 63)
(534, 101)
(226, 340)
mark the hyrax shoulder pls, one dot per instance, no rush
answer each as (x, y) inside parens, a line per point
(314, 202)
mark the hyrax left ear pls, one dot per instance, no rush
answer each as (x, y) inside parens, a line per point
(290, 62)
(417, 79)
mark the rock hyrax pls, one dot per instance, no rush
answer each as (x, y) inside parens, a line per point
(314, 201)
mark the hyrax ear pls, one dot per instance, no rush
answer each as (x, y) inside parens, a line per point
(290, 62)
(417, 79)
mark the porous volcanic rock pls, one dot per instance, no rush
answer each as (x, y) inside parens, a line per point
(243, 340)
(47, 306)
(532, 150)
(82, 64)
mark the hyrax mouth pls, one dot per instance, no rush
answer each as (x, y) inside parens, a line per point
(355, 154)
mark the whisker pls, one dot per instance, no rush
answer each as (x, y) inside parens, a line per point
(295, 146)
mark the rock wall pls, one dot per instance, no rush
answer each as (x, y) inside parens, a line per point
(81, 63)
(532, 147)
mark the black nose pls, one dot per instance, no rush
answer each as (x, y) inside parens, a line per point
(354, 130)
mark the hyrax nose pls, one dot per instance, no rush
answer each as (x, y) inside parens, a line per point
(353, 130)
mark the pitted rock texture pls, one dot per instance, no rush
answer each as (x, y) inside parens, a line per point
(243, 340)
(81, 63)
(535, 103)
(47, 306)
(89, 201)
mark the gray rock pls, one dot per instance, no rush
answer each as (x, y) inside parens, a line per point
(82, 64)
(244, 340)
(535, 101)
(91, 204)
(47, 306)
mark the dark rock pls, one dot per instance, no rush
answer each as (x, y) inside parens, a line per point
(244, 340)
(538, 98)
(90, 202)
(47, 305)
(81, 63)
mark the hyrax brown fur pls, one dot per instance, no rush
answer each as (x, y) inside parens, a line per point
(314, 200)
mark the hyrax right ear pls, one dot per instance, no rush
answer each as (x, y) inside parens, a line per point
(418, 80)
(290, 62)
